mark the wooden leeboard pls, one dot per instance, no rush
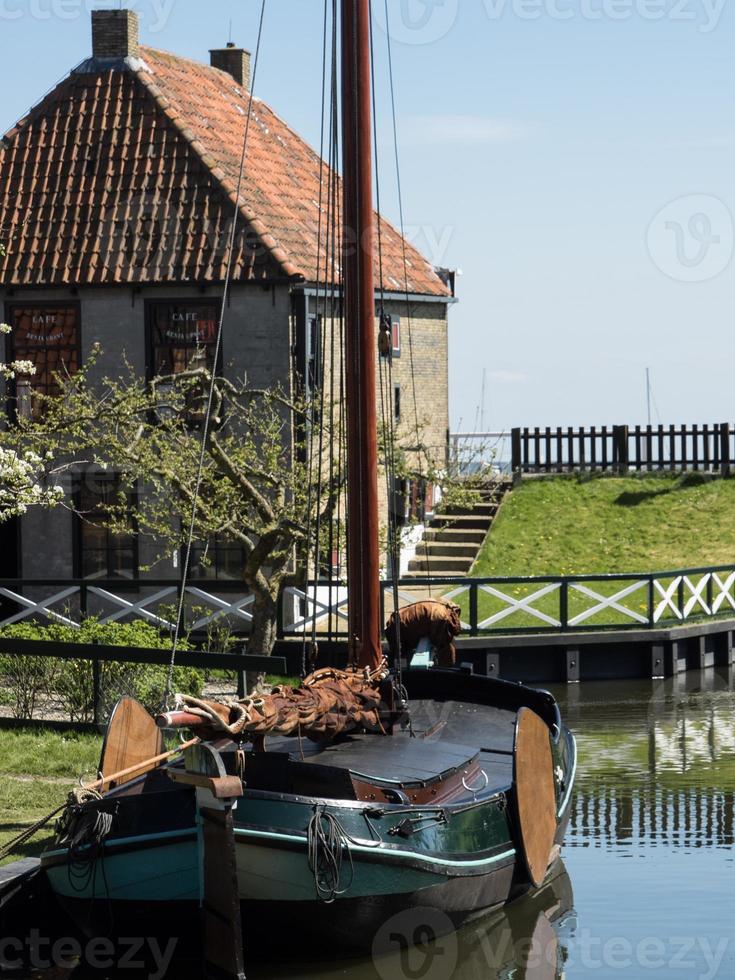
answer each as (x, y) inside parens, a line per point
(535, 793)
(132, 737)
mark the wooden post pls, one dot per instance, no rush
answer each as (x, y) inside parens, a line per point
(516, 463)
(723, 648)
(223, 946)
(564, 604)
(620, 442)
(572, 665)
(657, 661)
(676, 663)
(725, 448)
(96, 686)
(705, 658)
(216, 795)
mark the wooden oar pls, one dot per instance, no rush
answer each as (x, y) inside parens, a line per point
(146, 763)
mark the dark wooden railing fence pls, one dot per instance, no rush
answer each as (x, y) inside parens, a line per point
(622, 448)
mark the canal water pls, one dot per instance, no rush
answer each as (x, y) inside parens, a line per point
(647, 883)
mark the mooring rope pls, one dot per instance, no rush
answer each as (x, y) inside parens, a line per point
(10, 846)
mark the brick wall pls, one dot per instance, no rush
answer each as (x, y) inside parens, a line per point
(114, 34)
(424, 331)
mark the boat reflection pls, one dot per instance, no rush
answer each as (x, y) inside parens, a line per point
(527, 940)
(657, 765)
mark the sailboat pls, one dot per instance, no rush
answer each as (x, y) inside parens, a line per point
(318, 814)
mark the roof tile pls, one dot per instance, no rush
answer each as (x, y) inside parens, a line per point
(131, 176)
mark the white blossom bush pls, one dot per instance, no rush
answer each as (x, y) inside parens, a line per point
(11, 371)
(23, 483)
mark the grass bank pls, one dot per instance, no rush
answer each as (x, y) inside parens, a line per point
(37, 770)
(597, 526)
(571, 525)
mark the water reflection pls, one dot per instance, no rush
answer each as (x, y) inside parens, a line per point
(525, 941)
(657, 763)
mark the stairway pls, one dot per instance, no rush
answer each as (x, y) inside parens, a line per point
(451, 541)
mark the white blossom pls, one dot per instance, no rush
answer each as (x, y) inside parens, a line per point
(22, 484)
(5, 328)
(23, 367)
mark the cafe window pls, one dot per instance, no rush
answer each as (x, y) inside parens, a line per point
(46, 335)
(101, 552)
(221, 558)
(182, 336)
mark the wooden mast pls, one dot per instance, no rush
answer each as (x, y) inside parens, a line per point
(363, 565)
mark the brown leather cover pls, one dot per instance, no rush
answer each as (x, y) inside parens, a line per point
(434, 619)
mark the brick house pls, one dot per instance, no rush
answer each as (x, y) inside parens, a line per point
(116, 191)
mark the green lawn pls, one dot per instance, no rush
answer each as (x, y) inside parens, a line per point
(571, 526)
(580, 526)
(35, 752)
(26, 757)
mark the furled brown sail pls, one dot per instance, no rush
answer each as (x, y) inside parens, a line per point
(327, 703)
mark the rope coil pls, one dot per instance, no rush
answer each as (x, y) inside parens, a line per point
(327, 843)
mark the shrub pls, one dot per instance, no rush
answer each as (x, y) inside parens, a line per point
(69, 684)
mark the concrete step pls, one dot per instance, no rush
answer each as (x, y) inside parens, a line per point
(447, 549)
(489, 490)
(462, 521)
(485, 507)
(462, 535)
(440, 566)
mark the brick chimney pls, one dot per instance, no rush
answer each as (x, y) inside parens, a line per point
(235, 61)
(114, 34)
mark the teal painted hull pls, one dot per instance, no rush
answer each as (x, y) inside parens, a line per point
(273, 863)
(461, 858)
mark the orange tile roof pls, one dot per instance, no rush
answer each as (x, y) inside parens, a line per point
(130, 175)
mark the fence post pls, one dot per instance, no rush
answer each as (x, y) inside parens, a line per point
(725, 449)
(515, 455)
(279, 609)
(620, 442)
(96, 686)
(473, 608)
(651, 602)
(564, 604)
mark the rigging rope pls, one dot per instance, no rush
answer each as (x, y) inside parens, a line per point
(311, 394)
(409, 331)
(213, 379)
(387, 390)
(324, 337)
